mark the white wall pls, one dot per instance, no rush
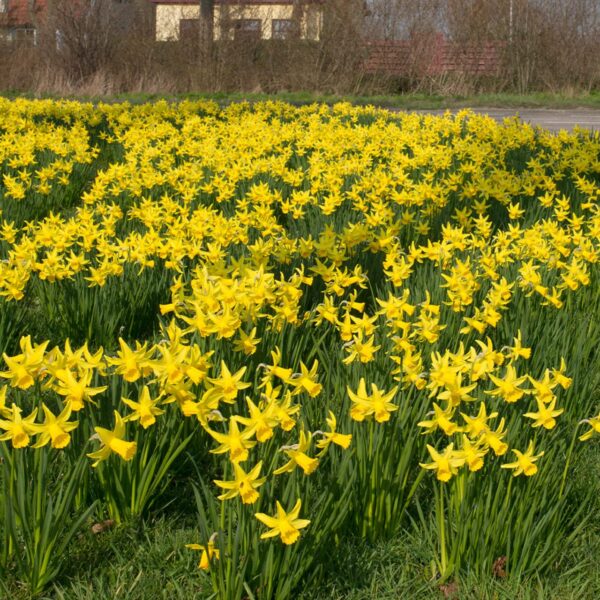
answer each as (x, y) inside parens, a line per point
(168, 17)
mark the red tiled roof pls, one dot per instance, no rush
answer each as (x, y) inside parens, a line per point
(432, 56)
(22, 13)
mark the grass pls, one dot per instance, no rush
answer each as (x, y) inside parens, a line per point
(150, 561)
(409, 101)
(426, 101)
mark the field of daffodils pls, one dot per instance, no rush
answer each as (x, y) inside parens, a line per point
(312, 323)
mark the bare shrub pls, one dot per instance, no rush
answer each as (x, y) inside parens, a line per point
(551, 45)
(449, 47)
(568, 40)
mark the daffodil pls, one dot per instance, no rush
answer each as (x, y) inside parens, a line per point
(113, 441)
(208, 553)
(244, 484)
(145, 409)
(226, 386)
(55, 429)
(236, 442)
(494, 439)
(285, 525)
(18, 429)
(446, 464)
(558, 375)
(543, 388)
(4, 411)
(379, 404)
(545, 415)
(364, 351)
(247, 342)
(525, 462)
(261, 420)
(75, 390)
(477, 425)
(455, 392)
(508, 386)
(442, 419)
(275, 370)
(298, 457)
(25, 367)
(132, 364)
(473, 453)
(306, 380)
(518, 351)
(594, 424)
(284, 411)
(332, 436)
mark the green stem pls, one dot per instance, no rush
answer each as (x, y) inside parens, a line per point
(413, 489)
(373, 482)
(442, 530)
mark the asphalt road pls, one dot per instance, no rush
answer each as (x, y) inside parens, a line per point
(550, 118)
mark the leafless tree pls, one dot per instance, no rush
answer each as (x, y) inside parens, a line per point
(106, 46)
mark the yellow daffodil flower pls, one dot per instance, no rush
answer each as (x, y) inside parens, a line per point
(236, 442)
(544, 417)
(285, 525)
(55, 429)
(18, 429)
(145, 409)
(379, 404)
(208, 553)
(594, 424)
(244, 484)
(112, 441)
(525, 462)
(226, 386)
(445, 464)
(298, 457)
(332, 436)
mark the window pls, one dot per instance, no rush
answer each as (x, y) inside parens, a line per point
(6, 36)
(247, 29)
(285, 29)
(3, 6)
(26, 36)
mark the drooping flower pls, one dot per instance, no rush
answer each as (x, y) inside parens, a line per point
(113, 441)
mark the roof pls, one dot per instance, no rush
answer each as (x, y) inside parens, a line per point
(21, 13)
(432, 56)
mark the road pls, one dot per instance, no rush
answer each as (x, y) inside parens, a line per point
(553, 119)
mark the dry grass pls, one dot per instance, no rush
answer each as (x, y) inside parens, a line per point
(551, 47)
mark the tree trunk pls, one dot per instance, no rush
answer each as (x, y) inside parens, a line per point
(207, 9)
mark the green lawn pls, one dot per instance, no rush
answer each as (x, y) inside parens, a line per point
(409, 101)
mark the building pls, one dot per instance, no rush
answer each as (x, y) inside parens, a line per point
(236, 19)
(432, 55)
(19, 19)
